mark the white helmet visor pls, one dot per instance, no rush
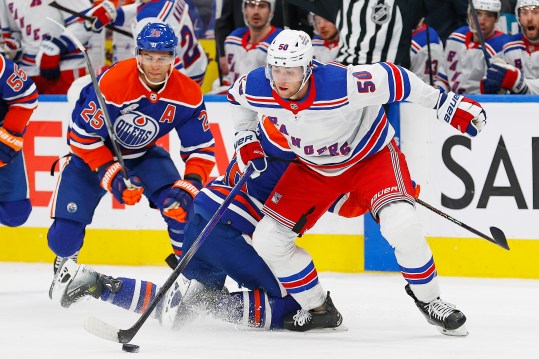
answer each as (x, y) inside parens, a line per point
(280, 74)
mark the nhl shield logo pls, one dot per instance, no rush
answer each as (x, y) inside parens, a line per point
(381, 13)
(276, 197)
(293, 106)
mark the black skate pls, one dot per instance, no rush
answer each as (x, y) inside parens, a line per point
(59, 260)
(445, 316)
(73, 282)
(305, 320)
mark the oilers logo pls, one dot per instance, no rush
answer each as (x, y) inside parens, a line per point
(135, 130)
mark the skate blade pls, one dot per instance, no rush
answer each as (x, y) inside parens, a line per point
(459, 332)
(340, 328)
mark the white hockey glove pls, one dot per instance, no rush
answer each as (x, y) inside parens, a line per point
(102, 15)
(249, 149)
(463, 113)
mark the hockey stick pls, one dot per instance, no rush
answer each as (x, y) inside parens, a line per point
(479, 33)
(429, 55)
(55, 5)
(102, 104)
(498, 237)
(104, 330)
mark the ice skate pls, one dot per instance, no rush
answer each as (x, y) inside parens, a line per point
(185, 301)
(445, 316)
(73, 282)
(305, 320)
(58, 260)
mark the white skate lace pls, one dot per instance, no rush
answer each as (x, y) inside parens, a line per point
(440, 310)
(302, 317)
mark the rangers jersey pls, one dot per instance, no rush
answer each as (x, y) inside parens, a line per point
(522, 54)
(192, 59)
(419, 56)
(341, 121)
(18, 97)
(465, 62)
(140, 117)
(324, 51)
(242, 56)
(27, 19)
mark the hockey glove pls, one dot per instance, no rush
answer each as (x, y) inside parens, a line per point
(179, 199)
(503, 76)
(249, 149)
(111, 179)
(10, 146)
(102, 15)
(48, 58)
(11, 48)
(463, 113)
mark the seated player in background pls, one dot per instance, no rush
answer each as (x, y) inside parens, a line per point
(18, 100)
(146, 99)
(518, 73)
(464, 58)
(325, 40)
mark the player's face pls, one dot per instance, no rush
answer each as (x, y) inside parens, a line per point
(528, 17)
(257, 14)
(155, 65)
(326, 29)
(487, 20)
(287, 80)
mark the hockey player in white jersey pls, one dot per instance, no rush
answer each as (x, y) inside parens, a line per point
(519, 72)
(326, 39)
(49, 57)
(465, 61)
(246, 47)
(333, 119)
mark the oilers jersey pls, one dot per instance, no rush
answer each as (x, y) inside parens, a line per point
(27, 20)
(140, 117)
(522, 54)
(341, 121)
(18, 96)
(242, 56)
(419, 56)
(324, 51)
(465, 62)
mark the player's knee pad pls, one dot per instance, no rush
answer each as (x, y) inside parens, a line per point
(65, 237)
(400, 225)
(273, 241)
(15, 213)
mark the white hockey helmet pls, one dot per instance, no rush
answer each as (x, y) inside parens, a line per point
(290, 48)
(245, 2)
(487, 5)
(524, 3)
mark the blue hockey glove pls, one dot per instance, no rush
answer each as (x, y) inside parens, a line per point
(10, 146)
(178, 200)
(111, 179)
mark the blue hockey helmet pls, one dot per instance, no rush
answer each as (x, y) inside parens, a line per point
(157, 37)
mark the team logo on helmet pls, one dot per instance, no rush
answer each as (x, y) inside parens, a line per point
(381, 13)
(135, 130)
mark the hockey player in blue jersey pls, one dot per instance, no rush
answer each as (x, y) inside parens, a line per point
(18, 100)
(146, 99)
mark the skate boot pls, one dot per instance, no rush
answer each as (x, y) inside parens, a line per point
(58, 260)
(445, 316)
(73, 282)
(305, 320)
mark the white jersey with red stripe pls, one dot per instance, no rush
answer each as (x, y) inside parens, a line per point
(419, 56)
(192, 58)
(27, 19)
(341, 121)
(465, 62)
(325, 51)
(243, 56)
(524, 55)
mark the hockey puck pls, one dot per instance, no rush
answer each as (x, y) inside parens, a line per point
(130, 348)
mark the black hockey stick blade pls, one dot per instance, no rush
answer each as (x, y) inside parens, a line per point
(497, 234)
(104, 330)
(55, 5)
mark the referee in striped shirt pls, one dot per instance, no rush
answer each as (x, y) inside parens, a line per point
(373, 30)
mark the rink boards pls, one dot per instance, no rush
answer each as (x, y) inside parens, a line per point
(492, 180)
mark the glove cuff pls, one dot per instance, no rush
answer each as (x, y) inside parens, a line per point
(187, 186)
(107, 174)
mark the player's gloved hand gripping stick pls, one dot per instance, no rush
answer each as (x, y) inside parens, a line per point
(114, 169)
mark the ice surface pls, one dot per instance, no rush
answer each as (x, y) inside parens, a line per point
(383, 322)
